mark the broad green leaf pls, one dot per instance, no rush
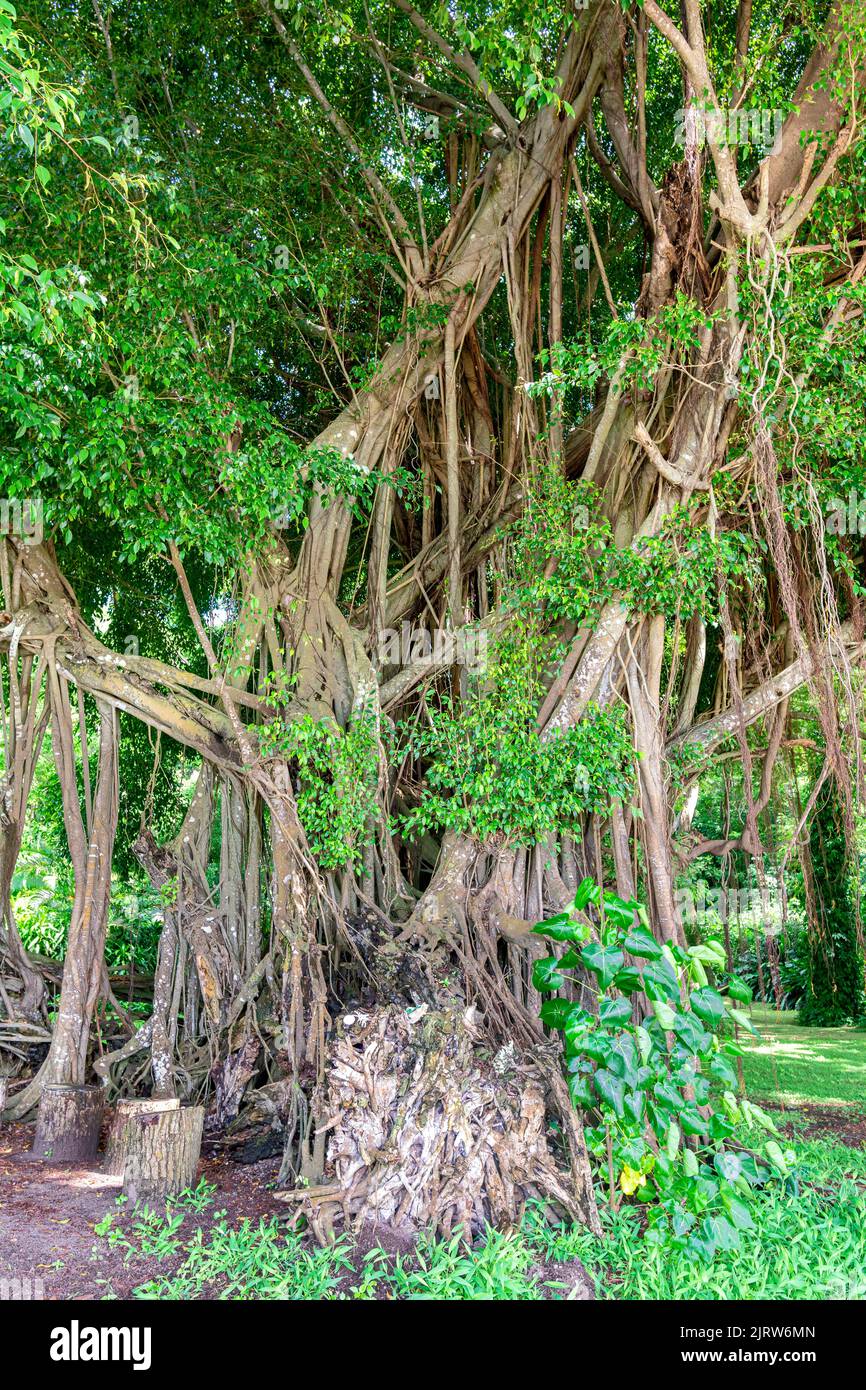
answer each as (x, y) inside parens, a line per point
(744, 1021)
(618, 911)
(613, 1012)
(660, 982)
(641, 943)
(709, 1006)
(554, 1012)
(562, 927)
(587, 892)
(635, 1104)
(664, 1013)
(710, 952)
(603, 961)
(611, 1089)
(722, 1071)
(672, 1141)
(739, 990)
(628, 980)
(738, 1212)
(546, 974)
(581, 1092)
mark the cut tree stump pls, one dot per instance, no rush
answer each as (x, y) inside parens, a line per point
(125, 1113)
(162, 1153)
(68, 1123)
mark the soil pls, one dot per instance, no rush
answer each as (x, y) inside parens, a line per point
(841, 1125)
(48, 1212)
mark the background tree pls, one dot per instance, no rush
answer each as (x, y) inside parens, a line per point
(835, 993)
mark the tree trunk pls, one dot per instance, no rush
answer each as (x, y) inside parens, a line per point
(122, 1125)
(162, 1153)
(91, 849)
(68, 1124)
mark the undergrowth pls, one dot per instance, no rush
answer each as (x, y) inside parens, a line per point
(809, 1244)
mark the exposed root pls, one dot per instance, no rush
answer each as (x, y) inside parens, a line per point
(429, 1130)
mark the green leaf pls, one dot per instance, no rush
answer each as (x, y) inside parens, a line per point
(690, 1032)
(570, 959)
(672, 1141)
(603, 961)
(578, 1026)
(708, 1004)
(660, 982)
(618, 911)
(628, 980)
(635, 1104)
(611, 1089)
(711, 952)
(581, 1092)
(667, 1096)
(739, 990)
(546, 974)
(597, 1046)
(563, 927)
(722, 1071)
(554, 1012)
(587, 892)
(701, 1088)
(664, 1013)
(776, 1157)
(727, 1238)
(614, 1011)
(744, 1021)
(764, 1120)
(738, 1212)
(641, 942)
(558, 928)
(702, 1241)
(692, 1121)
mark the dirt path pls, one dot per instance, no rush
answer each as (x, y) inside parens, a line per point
(48, 1213)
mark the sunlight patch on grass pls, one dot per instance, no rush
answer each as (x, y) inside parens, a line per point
(795, 1065)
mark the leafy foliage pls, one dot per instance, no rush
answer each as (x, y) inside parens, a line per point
(648, 1087)
(489, 772)
(337, 772)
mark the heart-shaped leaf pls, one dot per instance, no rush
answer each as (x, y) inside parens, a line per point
(588, 891)
(708, 1004)
(611, 1089)
(641, 942)
(546, 974)
(603, 961)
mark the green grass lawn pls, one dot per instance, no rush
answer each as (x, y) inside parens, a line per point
(794, 1066)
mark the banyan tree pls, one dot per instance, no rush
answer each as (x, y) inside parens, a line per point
(466, 417)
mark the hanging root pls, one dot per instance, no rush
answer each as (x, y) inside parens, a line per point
(428, 1129)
